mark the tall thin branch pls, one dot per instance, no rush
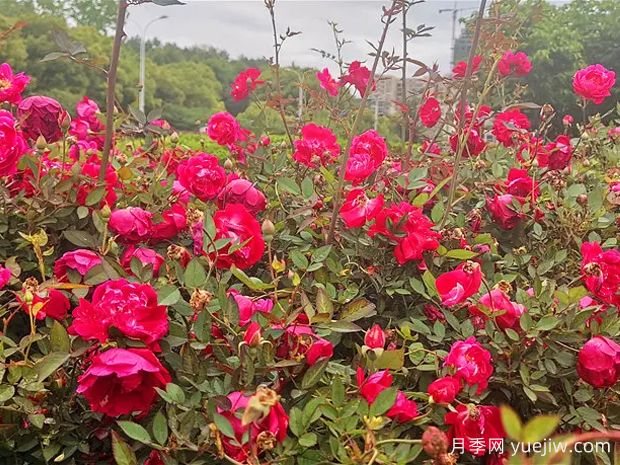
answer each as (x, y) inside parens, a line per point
(403, 130)
(358, 117)
(462, 139)
(270, 4)
(111, 91)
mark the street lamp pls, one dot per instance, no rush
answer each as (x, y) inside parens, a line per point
(143, 61)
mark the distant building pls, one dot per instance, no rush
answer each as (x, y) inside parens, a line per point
(462, 46)
(389, 89)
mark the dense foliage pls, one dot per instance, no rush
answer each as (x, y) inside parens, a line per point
(334, 297)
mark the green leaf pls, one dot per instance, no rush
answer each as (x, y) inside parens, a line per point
(59, 339)
(223, 425)
(390, 359)
(358, 309)
(307, 187)
(307, 440)
(49, 364)
(135, 431)
(429, 282)
(195, 275)
(168, 295)
(288, 185)
(175, 393)
(511, 422)
(320, 254)
(547, 322)
(6, 392)
(384, 402)
(167, 2)
(299, 259)
(160, 428)
(461, 254)
(324, 305)
(540, 427)
(314, 373)
(81, 238)
(253, 283)
(123, 455)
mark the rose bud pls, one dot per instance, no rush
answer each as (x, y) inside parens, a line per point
(375, 337)
(253, 336)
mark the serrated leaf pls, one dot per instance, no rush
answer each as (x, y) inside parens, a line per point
(123, 455)
(314, 373)
(135, 431)
(384, 402)
(160, 428)
(288, 185)
(223, 425)
(168, 295)
(59, 339)
(195, 275)
(511, 422)
(540, 427)
(49, 364)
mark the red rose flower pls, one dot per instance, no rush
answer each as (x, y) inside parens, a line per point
(41, 116)
(375, 337)
(430, 112)
(555, 155)
(474, 144)
(12, 144)
(87, 127)
(262, 431)
(375, 384)
(245, 82)
(154, 458)
(409, 228)
(131, 308)
(146, 256)
(11, 85)
(471, 361)
(427, 147)
(123, 381)
(368, 150)
(223, 128)
(460, 68)
(174, 220)
(132, 224)
(202, 176)
(594, 83)
(473, 426)
(454, 287)
(320, 349)
(248, 307)
(358, 209)
(358, 76)
(444, 390)
(598, 362)
(518, 64)
(5, 276)
(510, 312)
(80, 260)
(327, 82)
(601, 272)
(510, 125)
(520, 184)
(243, 192)
(502, 211)
(318, 146)
(403, 410)
(236, 223)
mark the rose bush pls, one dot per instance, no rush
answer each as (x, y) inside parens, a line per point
(334, 298)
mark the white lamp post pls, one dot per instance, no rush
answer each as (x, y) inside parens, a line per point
(143, 62)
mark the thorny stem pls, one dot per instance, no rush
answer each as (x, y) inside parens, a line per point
(270, 4)
(358, 117)
(116, 52)
(462, 102)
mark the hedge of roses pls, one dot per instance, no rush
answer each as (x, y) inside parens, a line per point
(182, 308)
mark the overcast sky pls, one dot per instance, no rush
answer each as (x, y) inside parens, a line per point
(243, 27)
